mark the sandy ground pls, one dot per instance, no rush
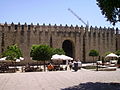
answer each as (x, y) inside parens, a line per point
(61, 80)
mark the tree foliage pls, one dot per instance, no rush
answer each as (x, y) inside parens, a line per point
(106, 53)
(58, 51)
(93, 53)
(117, 52)
(12, 52)
(111, 10)
(40, 52)
(44, 52)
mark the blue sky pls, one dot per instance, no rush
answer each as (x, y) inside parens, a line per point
(53, 12)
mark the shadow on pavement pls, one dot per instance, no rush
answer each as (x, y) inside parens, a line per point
(95, 86)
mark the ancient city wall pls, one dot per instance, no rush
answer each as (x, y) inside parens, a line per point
(83, 39)
(101, 39)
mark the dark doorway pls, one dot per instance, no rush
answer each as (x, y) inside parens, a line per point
(68, 48)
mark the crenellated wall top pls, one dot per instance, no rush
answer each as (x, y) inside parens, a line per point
(57, 28)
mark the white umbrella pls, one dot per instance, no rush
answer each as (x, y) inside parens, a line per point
(111, 55)
(56, 57)
(3, 59)
(64, 57)
(61, 57)
(21, 58)
(17, 60)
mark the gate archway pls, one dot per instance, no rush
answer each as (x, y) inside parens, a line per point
(68, 48)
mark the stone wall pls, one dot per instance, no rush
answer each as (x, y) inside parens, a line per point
(83, 39)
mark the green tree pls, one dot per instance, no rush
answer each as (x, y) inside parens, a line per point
(44, 52)
(93, 53)
(12, 52)
(117, 52)
(41, 53)
(58, 51)
(111, 10)
(106, 53)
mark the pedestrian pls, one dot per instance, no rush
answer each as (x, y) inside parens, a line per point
(75, 64)
(70, 65)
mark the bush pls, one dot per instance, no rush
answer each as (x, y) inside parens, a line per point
(13, 52)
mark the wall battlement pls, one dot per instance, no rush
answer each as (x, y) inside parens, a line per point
(66, 28)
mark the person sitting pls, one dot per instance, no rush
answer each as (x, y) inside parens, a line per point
(28, 68)
(50, 67)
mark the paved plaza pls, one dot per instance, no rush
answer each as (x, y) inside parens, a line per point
(59, 80)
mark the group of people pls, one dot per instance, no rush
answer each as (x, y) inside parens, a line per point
(3, 67)
(75, 65)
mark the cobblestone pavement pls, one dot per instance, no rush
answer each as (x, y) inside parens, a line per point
(56, 80)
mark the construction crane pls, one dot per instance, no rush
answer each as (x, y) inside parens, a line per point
(78, 17)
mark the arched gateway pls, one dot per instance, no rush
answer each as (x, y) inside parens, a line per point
(75, 41)
(68, 48)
